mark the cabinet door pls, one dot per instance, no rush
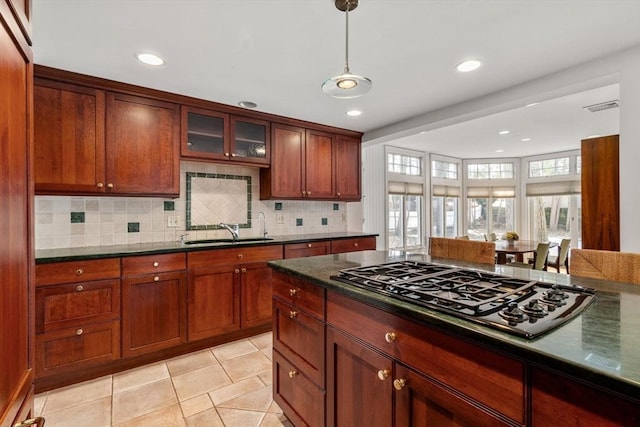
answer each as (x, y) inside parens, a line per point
(347, 168)
(284, 179)
(299, 250)
(319, 165)
(422, 402)
(256, 309)
(250, 141)
(69, 138)
(142, 146)
(214, 301)
(350, 367)
(153, 312)
(205, 134)
(339, 246)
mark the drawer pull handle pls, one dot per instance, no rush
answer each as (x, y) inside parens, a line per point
(244, 270)
(390, 336)
(236, 271)
(293, 373)
(79, 332)
(79, 272)
(240, 256)
(110, 185)
(99, 185)
(79, 288)
(293, 314)
(155, 264)
(399, 383)
(383, 374)
(293, 292)
(156, 278)
(355, 244)
(308, 245)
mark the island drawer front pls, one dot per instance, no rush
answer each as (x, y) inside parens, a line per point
(292, 389)
(299, 294)
(299, 250)
(76, 348)
(77, 271)
(234, 255)
(486, 376)
(64, 306)
(300, 338)
(151, 264)
(353, 244)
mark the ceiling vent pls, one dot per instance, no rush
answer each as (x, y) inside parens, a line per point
(602, 106)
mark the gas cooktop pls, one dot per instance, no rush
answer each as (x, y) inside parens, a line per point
(526, 308)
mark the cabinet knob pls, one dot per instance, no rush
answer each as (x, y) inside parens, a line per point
(79, 288)
(383, 374)
(79, 272)
(156, 263)
(390, 336)
(293, 292)
(156, 278)
(399, 383)
(308, 245)
(99, 185)
(236, 271)
(304, 193)
(293, 314)
(293, 373)
(233, 154)
(110, 185)
(355, 244)
(240, 256)
(226, 154)
(79, 332)
(244, 270)
(338, 194)
(308, 193)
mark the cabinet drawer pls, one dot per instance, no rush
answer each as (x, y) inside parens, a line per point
(75, 348)
(150, 264)
(299, 294)
(75, 271)
(300, 399)
(64, 306)
(298, 250)
(301, 338)
(234, 255)
(353, 244)
(489, 377)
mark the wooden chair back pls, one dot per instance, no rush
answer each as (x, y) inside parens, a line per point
(540, 257)
(464, 250)
(608, 265)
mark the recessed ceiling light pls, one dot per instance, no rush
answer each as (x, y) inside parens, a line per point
(247, 104)
(525, 139)
(504, 132)
(150, 59)
(500, 151)
(470, 65)
(354, 113)
(532, 104)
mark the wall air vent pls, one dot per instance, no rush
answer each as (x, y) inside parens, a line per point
(602, 106)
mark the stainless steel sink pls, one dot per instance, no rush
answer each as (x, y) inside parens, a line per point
(240, 240)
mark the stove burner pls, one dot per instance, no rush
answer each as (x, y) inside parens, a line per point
(526, 308)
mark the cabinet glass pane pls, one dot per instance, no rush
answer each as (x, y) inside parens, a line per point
(205, 133)
(250, 140)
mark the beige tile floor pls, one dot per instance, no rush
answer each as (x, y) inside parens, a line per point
(228, 385)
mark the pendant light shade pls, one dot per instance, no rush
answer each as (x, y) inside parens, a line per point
(346, 85)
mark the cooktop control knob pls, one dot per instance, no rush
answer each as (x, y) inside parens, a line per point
(535, 309)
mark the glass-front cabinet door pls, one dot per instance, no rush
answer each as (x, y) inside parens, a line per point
(205, 134)
(250, 140)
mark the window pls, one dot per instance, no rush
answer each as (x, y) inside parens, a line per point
(549, 167)
(490, 171)
(444, 170)
(578, 165)
(489, 215)
(404, 164)
(444, 216)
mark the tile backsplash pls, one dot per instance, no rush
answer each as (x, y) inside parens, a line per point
(80, 221)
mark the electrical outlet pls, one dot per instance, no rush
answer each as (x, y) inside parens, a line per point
(279, 218)
(173, 221)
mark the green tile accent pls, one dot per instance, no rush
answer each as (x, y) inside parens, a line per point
(169, 206)
(133, 227)
(77, 217)
(298, 222)
(336, 206)
(325, 221)
(278, 206)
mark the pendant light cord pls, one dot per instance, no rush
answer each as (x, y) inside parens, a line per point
(346, 58)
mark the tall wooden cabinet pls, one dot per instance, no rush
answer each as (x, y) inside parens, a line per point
(16, 195)
(601, 193)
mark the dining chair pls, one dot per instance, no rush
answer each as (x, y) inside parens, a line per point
(562, 258)
(491, 237)
(539, 258)
(463, 237)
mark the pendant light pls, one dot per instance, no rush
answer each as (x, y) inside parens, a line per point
(346, 85)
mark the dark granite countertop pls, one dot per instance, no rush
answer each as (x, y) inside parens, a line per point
(600, 346)
(95, 252)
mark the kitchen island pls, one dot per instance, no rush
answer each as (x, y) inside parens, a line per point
(340, 352)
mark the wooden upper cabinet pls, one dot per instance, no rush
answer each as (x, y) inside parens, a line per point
(250, 141)
(69, 138)
(142, 146)
(600, 193)
(347, 167)
(284, 179)
(318, 165)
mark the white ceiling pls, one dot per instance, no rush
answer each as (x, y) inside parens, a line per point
(277, 53)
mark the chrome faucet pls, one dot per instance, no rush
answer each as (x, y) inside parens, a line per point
(234, 229)
(264, 223)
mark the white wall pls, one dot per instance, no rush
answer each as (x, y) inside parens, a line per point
(622, 67)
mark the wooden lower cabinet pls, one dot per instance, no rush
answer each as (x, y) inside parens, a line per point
(353, 244)
(153, 312)
(256, 293)
(299, 250)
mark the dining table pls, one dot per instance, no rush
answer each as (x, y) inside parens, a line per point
(517, 248)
